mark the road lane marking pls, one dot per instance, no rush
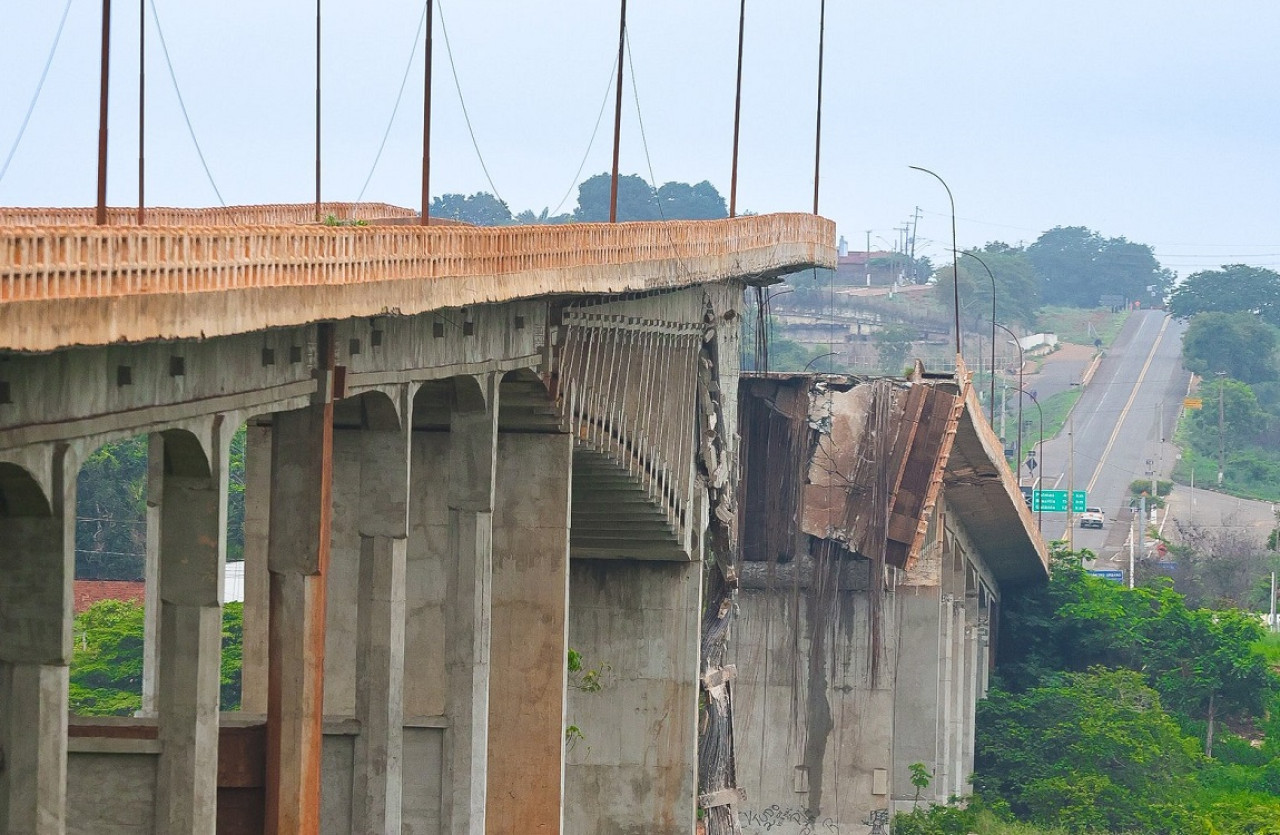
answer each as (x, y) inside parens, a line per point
(1124, 413)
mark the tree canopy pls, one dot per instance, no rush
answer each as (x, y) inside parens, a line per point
(1236, 288)
(481, 208)
(1239, 344)
(637, 200)
(1017, 290)
(1077, 267)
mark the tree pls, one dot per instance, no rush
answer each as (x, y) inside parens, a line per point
(111, 514)
(1237, 343)
(106, 664)
(481, 208)
(681, 201)
(1243, 420)
(1236, 288)
(893, 345)
(1017, 291)
(636, 199)
(1089, 752)
(1077, 266)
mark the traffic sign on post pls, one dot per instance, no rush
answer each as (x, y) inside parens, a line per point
(1079, 499)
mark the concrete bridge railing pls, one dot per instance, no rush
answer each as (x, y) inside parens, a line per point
(264, 214)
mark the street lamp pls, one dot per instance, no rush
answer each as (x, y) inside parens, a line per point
(990, 275)
(955, 272)
(1018, 343)
(1040, 447)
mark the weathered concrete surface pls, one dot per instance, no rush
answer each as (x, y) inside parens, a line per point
(634, 768)
(530, 634)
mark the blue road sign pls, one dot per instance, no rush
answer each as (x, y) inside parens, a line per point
(1108, 574)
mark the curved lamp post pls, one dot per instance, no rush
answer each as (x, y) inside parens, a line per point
(955, 272)
(1020, 366)
(992, 410)
(1040, 447)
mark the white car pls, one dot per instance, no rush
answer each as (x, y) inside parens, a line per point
(1093, 517)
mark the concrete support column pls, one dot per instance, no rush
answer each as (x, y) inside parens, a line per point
(298, 557)
(472, 458)
(530, 633)
(37, 541)
(190, 494)
(383, 527)
(257, 579)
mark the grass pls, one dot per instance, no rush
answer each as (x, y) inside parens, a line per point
(1071, 324)
(1056, 411)
(1269, 648)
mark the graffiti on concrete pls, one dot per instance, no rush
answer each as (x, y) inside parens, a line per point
(878, 820)
(787, 821)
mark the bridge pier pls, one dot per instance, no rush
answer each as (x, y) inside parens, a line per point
(190, 492)
(36, 542)
(298, 559)
(529, 632)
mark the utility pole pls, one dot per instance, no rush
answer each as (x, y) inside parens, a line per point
(868, 257)
(1132, 538)
(1271, 623)
(1071, 479)
(617, 115)
(1222, 441)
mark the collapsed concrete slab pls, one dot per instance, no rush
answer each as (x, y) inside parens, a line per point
(880, 529)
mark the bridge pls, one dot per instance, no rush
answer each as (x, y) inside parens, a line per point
(468, 450)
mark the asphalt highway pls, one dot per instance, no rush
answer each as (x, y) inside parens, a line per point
(1118, 432)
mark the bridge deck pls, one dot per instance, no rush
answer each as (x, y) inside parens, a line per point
(65, 285)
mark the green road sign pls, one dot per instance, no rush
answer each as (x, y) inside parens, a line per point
(1049, 501)
(1055, 501)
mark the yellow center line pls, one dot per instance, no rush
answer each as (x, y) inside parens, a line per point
(1115, 433)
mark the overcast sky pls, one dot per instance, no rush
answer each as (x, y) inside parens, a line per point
(1156, 120)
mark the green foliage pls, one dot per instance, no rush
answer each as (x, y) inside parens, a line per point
(232, 655)
(111, 512)
(1243, 423)
(481, 208)
(893, 345)
(1236, 288)
(1017, 290)
(1239, 344)
(106, 664)
(1077, 266)
(582, 678)
(637, 200)
(1086, 751)
(334, 220)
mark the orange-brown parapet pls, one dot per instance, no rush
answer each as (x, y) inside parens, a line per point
(93, 285)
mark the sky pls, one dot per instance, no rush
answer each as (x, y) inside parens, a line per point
(1155, 120)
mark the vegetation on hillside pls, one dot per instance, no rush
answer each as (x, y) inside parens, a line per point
(1122, 711)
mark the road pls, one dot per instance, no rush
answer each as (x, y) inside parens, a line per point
(1117, 433)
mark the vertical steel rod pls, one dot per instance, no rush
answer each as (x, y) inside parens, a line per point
(737, 114)
(318, 217)
(425, 216)
(817, 140)
(100, 216)
(617, 116)
(142, 110)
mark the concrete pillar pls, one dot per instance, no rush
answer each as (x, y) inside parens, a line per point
(37, 541)
(190, 494)
(383, 529)
(298, 557)
(530, 633)
(472, 458)
(257, 579)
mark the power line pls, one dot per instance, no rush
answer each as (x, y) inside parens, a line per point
(422, 19)
(22, 129)
(604, 103)
(187, 118)
(461, 100)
